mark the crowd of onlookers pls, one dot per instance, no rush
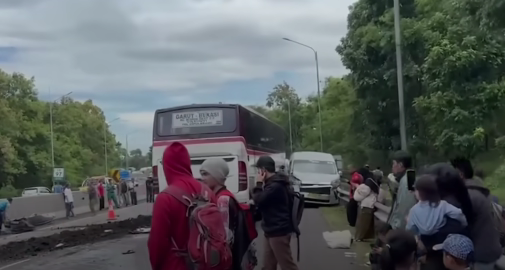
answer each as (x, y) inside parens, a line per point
(442, 217)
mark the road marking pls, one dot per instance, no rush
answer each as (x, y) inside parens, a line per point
(12, 264)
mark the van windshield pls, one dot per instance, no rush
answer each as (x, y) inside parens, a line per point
(314, 166)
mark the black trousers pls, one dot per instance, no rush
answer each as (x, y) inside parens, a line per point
(133, 196)
(102, 203)
(150, 195)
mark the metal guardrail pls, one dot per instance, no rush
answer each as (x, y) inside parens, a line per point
(381, 213)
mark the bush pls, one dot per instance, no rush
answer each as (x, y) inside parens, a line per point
(8, 191)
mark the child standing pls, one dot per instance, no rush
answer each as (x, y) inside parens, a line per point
(430, 214)
(458, 252)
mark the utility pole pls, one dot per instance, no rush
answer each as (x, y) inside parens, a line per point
(399, 75)
(105, 143)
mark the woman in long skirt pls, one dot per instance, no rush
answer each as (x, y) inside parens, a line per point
(366, 195)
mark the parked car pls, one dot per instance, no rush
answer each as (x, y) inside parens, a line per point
(35, 191)
(317, 175)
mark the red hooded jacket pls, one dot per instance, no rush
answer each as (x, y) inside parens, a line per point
(169, 219)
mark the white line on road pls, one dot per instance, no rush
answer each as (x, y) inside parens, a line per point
(12, 264)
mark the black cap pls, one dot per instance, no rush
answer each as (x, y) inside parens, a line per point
(266, 162)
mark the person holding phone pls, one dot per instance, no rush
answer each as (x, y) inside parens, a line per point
(272, 197)
(403, 197)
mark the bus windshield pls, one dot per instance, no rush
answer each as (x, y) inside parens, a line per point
(314, 166)
(196, 121)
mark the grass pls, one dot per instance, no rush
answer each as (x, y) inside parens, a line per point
(337, 220)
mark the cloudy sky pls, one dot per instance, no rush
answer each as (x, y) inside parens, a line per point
(132, 57)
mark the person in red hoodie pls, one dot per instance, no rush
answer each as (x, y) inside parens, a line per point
(169, 222)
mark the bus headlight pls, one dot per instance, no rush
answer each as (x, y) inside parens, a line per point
(335, 183)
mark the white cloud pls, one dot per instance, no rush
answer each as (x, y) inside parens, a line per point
(179, 48)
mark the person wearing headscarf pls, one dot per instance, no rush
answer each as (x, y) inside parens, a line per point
(170, 225)
(366, 195)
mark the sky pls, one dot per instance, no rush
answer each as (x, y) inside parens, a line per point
(132, 57)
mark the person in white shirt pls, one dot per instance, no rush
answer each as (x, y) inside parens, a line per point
(69, 201)
(367, 194)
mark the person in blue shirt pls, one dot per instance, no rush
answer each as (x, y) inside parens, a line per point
(4, 205)
(430, 214)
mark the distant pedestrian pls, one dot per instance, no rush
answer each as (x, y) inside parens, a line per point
(69, 202)
(133, 193)
(92, 195)
(149, 190)
(124, 192)
(111, 194)
(4, 206)
(101, 194)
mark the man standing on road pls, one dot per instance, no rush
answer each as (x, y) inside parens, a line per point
(403, 198)
(133, 193)
(69, 202)
(272, 197)
(124, 192)
(92, 195)
(4, 206)
(149, 190)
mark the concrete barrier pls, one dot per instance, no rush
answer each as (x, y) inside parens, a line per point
(53, 204)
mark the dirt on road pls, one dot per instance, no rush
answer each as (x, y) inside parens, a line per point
(72, 237)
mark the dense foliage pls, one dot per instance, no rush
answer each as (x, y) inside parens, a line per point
(25, 138)
(454, 68)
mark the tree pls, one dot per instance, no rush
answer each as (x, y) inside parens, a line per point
(25, 137)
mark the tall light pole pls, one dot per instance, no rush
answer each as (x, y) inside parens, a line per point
(399, 74)
(105, 141)
(51, 122)
(127, 157)
(318, 88)
(290, 130)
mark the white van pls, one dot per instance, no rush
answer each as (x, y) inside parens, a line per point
(318, 174)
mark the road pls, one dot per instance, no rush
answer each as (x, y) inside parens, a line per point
(108, 255)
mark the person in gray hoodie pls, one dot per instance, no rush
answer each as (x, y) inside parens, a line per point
(484, 232)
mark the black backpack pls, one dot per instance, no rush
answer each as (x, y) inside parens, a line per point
(297, 202)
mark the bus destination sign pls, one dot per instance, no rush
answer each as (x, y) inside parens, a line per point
(197, 119)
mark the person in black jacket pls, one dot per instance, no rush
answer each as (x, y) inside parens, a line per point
(272, 197)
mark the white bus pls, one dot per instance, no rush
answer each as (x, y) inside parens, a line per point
(235, 133)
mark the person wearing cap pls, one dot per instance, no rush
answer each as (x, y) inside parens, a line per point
(458, 252)
(272, 198)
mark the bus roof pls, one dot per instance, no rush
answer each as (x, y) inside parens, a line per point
(218, 105)
(215, 105)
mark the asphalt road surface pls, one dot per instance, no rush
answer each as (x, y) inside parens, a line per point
(109, 255)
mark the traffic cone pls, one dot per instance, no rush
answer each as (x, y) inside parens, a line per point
(112, 213)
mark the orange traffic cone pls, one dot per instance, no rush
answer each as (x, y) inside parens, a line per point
(112, 213)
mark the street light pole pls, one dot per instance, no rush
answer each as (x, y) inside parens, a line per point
(399, 75)
(105, 142)
(51, 123)
(290, 130)
(127, 157)
(318, 88)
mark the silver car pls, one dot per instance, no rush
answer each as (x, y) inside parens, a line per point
(317, 176)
